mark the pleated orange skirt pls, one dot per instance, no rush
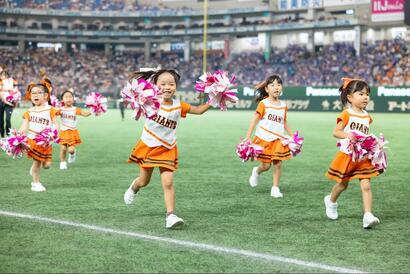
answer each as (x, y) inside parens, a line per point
(160, 156)
(39, 153)
(343, 169)
(70, 137)
(272, 150)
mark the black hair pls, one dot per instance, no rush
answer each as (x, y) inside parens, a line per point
(40, 85)
(153, 75)
(260, 92)
(351, 87)
(69, 90)
(5, 73)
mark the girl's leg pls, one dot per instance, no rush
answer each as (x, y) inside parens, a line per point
(71, 149)
(63, 152)
(253, 180)
(337, 189)
(143, 179)
(35, 171)
(46, 165)
(369, 220)
(366, 195)
(167, 179)
(263, 167)
(277, 172)
(71, 154)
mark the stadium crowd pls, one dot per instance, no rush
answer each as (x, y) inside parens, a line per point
(381, 63)
(86, 5)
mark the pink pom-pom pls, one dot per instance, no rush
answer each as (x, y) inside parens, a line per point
(13, 96)
(143, 97)
(55, 102)
(377, 155)
(365, 147)
(15, 145)
(295, 143)
(47, 137)
(218, 86)
(97, 103)
(246, 150)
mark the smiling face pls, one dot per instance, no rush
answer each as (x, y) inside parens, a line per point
(38, 96)
(68, 99)
(274, 89)
(166, 83)
(359, 99)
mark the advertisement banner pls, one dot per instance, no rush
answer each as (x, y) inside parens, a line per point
(299, 4)
(333, 3)
(387, 10)
(382, 99)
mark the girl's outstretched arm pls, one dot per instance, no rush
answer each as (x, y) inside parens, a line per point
(85, 113)
(24, 126)
(199, 109)
(254, 121)
(288, 129)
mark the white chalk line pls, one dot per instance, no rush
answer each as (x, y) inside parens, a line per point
(207, 247)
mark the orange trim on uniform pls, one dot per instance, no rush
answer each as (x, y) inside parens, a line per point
(70, 137)
(343, 169)
(278, 108)
(159, 139)
(170, 109)
(274, 133)
(356, 115)
(39, 153)
(159, 156)
(36, 132)
(274, 150)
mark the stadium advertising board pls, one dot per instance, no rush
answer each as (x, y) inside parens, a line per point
(382, 99)
(298, 4)
(333, 3)
(387, 10)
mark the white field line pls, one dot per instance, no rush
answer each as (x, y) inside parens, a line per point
(206, 247)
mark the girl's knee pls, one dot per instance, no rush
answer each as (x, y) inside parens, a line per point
(265, 166)
(277, 164)
(46, 165)
(365, 185)
(71, 149)
(169, 183)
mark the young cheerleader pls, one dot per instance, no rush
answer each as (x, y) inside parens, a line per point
(69, 135)
(157, 147)
(36, 119)
(354, 94)
(270, 123)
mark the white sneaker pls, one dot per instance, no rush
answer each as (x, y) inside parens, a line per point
(129, 195)
(275, 192)
(71, 158)
(63, 165)
(331, 208)
(38, 187)
(253, 180)
(369, 220)
(173, 221)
